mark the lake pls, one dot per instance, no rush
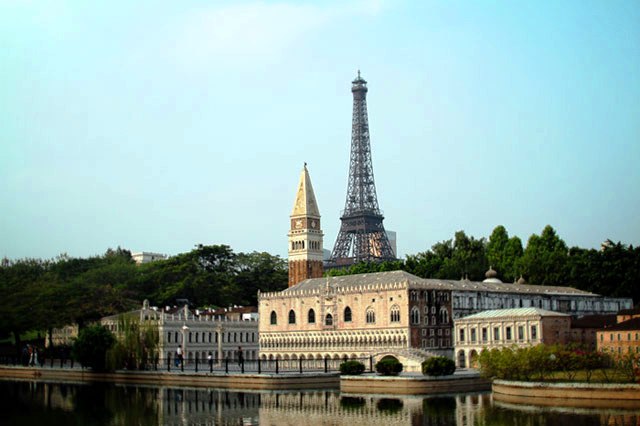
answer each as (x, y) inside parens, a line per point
(43, 403)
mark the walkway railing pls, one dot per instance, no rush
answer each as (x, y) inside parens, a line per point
(227, 365)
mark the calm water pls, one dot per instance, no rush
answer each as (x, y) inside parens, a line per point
(38, 403)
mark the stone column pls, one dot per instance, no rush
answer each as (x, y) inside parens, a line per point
(219, 331)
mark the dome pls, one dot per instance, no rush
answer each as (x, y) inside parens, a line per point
(491, 276)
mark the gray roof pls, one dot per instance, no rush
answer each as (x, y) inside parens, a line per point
(516, 312)
(396, 277)
(376, 278)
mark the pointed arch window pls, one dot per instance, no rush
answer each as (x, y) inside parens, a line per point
(395, 313)
(415, 315)
(311, 316)
(347, 314)
(328, 320)
(444, 316)
(292, 317)
(370, 316)
(274, 318)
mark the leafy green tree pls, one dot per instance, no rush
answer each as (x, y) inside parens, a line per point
(136, 344)
(503, 253)
(259, 271)
(545, 259)
(91, 346)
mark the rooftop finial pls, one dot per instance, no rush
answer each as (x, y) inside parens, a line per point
(358, 73)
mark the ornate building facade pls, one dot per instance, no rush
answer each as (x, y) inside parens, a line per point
(305, 234)
(396, 313)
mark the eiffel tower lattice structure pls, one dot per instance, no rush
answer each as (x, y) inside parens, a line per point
(362, 237)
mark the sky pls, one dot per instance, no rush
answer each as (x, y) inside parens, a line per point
(160, 125)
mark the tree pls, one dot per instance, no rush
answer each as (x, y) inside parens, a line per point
(136, 344)
(503, 253)
(91, 346)
(545, 259)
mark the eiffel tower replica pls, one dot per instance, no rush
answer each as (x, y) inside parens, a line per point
(362, 237)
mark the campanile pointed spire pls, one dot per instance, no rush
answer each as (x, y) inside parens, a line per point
(305, 235)
(305, 203)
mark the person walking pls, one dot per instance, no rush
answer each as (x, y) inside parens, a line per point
(179, 356)
(210, 360)
(240, 357)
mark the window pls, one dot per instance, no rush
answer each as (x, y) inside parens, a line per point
(347, 314)
(169, 337)
(414, 296)
(292, 317)
(484, 334)
(473, 334)
(311, 316)
(534, 332)
(370, 316)
(424, 331)
(395, 313)
(415, 315)
(508, 333)
(461, 338)
(444, 316)
(520, 332)
(328, 320)
(496, 333)
(274, 318)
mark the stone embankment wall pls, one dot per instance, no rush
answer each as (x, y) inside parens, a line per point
(607, 395)
(413, 385)
(218, 380)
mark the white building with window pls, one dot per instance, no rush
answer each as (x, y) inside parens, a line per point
(507, 328)
(220, 332)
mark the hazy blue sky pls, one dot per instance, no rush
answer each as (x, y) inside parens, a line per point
(159, 125)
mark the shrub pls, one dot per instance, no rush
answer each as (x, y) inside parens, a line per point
(91, 346)
(389, 366)
(438, 366)
(351, 367)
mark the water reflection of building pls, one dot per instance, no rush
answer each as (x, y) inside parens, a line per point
(332, 408)
(178, 406)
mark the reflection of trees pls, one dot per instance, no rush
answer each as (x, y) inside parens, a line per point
(498, 416)
(389, 405)
(351, 403)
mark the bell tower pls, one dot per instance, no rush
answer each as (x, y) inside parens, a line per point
(305, 234)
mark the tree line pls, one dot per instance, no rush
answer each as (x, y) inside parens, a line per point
(42, 294)
(614, 270)
(45, 294)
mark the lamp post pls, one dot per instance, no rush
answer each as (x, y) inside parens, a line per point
(185, 329)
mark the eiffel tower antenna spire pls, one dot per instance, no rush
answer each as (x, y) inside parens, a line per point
(362, 237)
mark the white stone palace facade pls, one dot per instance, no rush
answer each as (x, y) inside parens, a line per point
(221, 332)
